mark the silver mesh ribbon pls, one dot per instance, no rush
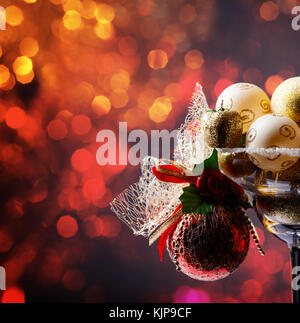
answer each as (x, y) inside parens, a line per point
(147, 204)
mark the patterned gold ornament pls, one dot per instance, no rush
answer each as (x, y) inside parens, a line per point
(286, 99)
(222, 128)
(273, 131)
(250, 101)
(236, 164)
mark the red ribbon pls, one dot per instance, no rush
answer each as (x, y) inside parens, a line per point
(164, 237)
(168, 177)
(171, 178)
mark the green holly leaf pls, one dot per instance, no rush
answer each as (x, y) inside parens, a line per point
(212, 162)
(209, 163)
(192, 202)
(205, 208)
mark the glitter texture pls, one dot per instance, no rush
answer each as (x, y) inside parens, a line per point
(222, 128)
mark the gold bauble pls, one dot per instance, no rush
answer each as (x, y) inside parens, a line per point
(236, 164)
(222, 128)
(286, 99)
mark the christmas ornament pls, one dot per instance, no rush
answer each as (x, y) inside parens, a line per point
(250, 101)
(211, 246)
(273, 132)
(286, 99)
(236, 164)
(222, 128)
(209, 237)
(175, 199)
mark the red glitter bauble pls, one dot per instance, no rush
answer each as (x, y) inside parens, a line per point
(211, 246)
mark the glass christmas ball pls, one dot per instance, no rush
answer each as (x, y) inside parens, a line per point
(210, 247)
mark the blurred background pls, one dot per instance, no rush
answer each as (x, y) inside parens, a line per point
(69, 68)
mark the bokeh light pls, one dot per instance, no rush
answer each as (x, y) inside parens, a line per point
(67, 226)
(187, 14)
(269, 10)
(14, 15)
(94, 189)
(15, 117)
(29, 47)
(57, 129)
(81, 124)
(272, 82)
(22, 65)
(4, 75)
(105, 13)
(194, 59)
(104, 30)
(25, 79)
(118, 98)
(160, 109)
(157, 59)
(221, 85)
(101, 105)
(6, 242)
(72, 20)
(185, 294)
(82, 160)
(251, 290)
(111, 226)
(92, 226)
